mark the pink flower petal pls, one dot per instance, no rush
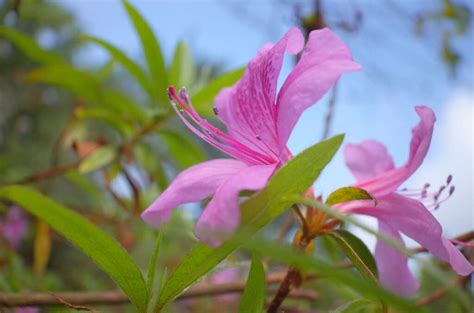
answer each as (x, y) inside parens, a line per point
(221, 217)
(193, 184)
(248, 108)
(457, 260)
(392, 265)
(421, 138)
(410, 217)
(325, 58)
(368, 159)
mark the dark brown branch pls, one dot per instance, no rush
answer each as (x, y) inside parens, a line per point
(293, 278)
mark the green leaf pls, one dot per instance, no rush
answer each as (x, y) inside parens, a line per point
(357, 252)
(346, 194)
(106, 116)
(295, 177)
(253, 298)
(203, 99)
(150, 278)
(86, 86)
(133, 68)
(184, 151)
(152, 51)
(182, 71)
(97, 159)
(81, 83)
(30, 48)
(100, 247)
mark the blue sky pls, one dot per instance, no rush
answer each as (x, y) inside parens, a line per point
(399, 71)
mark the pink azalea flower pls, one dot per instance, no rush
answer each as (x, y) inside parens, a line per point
(400, 210)
(259, 123)
(13, 228)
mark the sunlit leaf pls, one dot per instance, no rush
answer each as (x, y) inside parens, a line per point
(347, 194)
(293, 178)
(203, 99)
(253, 297)
(100, 247)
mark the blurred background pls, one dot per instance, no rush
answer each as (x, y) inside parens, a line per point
(96, 134)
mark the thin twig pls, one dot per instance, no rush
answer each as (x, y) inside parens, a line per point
(441, 292)
(463, 237)
(45, 174)
(117, 297)
(330, 113)
(52, 172)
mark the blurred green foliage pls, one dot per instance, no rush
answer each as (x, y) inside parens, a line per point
(91, 143)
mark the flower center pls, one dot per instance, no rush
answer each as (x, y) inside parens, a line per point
(211, 134)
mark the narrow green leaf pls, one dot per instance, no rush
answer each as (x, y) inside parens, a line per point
(346, 194)
(357, 252)
(29, 47)
(86, 86)
(253, 298)
(97, 159)
(150, 278)
(133, 68)
(203, 99)
(105, 71)
(295, 177)
(182, 71)
(184, 151)
(353, 306)
(107, 117)
(81, 83)
(152, 51)
(121, 104)
(100, 247)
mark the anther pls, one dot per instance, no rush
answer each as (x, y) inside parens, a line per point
(216, 111)
(449, 179)
(184, 95)
(451, 190)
